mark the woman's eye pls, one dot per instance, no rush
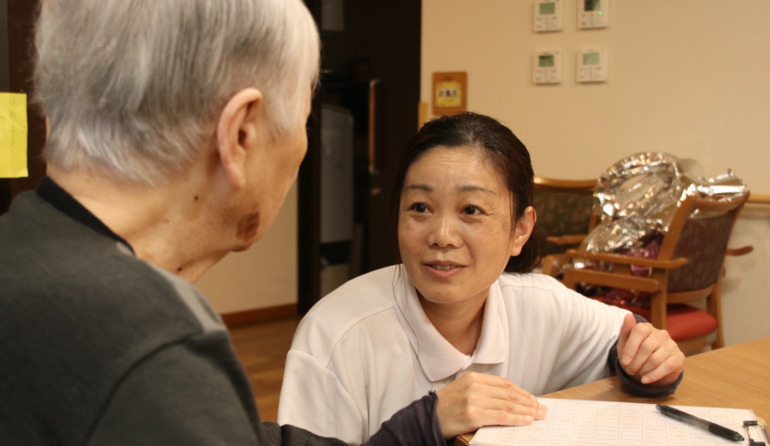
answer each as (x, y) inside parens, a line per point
(471, 210)
(419, 207)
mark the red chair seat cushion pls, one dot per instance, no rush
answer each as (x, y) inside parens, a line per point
(682, 321)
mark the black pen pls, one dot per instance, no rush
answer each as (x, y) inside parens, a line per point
(699, 422)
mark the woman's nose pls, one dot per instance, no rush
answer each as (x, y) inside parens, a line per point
(444, 233)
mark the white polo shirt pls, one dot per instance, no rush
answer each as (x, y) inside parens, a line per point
(367, 349)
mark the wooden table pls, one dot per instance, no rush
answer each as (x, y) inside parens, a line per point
(737, 377)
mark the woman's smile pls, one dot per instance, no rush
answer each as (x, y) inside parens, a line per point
(443, 270)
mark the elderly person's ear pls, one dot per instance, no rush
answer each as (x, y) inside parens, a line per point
(237, 126)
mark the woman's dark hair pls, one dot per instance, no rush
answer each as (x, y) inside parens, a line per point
(503, 150)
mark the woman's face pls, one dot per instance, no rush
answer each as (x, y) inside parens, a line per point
(455, 229)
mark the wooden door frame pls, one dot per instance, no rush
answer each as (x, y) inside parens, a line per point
(391, 136)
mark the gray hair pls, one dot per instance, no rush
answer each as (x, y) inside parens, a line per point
(132, 87)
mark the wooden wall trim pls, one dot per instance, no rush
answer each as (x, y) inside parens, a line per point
(759, 198)
(259, 315)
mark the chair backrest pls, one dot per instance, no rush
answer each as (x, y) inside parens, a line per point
(563, 207)
(699, 231)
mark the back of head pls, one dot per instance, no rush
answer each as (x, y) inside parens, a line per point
(506, 153)
(132, 88)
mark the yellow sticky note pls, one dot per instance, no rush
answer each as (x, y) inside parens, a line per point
(13, 135)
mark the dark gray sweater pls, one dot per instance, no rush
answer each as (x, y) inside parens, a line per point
(99, 347)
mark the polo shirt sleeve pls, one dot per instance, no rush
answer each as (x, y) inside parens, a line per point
(313, 398)
(416, 424)
(583, 331)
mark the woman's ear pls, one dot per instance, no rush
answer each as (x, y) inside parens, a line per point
(522, 230)
(235, 128)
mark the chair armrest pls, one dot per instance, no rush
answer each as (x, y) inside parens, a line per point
(552, 264)
(569, 239)
(739, 251)
(626, 260)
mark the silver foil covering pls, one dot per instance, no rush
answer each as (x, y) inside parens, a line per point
(638, 197)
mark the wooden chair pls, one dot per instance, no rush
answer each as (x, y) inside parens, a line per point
(564, 217)
(688, 268)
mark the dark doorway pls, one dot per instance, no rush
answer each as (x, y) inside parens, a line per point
(363, 114)
(17, 19)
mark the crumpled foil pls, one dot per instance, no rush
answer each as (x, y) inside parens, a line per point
(638, 197)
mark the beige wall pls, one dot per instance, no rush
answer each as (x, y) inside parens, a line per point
(688, 77)
(263, 276)
(685, 76)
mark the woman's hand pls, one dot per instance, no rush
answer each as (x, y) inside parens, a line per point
(647, 354)
(477, 400)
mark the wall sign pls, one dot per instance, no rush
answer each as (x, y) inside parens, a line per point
(450, 92)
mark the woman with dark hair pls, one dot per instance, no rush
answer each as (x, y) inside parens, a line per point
(462, 316)
(502, 149)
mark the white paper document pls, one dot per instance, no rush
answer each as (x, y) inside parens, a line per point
(606, 423)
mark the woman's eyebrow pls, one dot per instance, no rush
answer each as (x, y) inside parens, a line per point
(461, 188)
(422, 187)
(473, 188)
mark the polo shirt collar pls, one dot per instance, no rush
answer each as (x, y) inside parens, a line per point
(438, 358)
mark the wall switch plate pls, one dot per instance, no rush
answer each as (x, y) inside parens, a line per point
(548, 15)
(591, 65)
(593, 14)
(546, 67)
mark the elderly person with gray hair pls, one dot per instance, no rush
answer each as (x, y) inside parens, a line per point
(176, 130)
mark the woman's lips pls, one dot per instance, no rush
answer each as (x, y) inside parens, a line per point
(443, 270)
